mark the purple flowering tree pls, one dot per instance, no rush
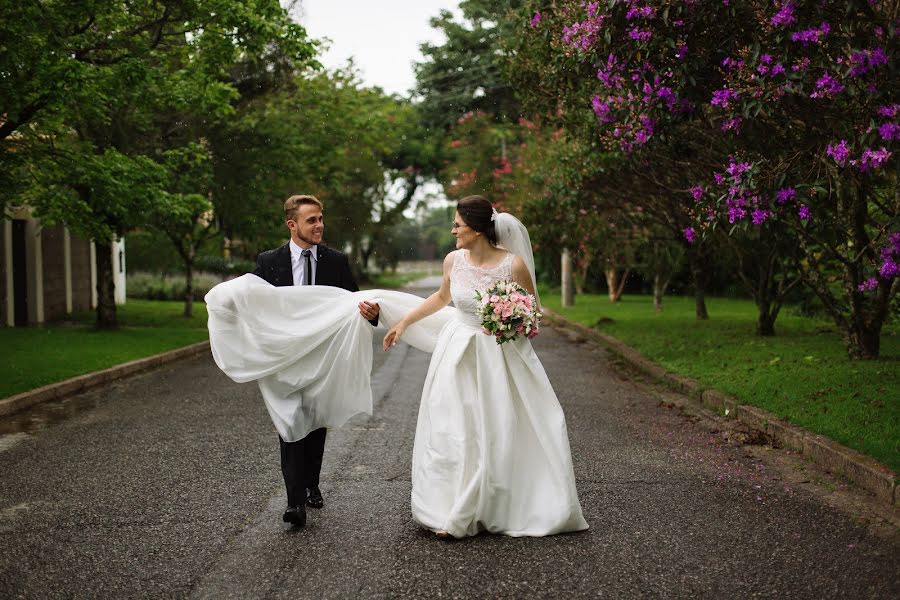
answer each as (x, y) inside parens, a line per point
(786, 113)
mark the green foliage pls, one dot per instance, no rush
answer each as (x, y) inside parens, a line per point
(464, 74)
(328, 136)
(801, 375)
(154, 286)
(104, 99)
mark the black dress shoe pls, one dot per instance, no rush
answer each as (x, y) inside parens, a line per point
(295, 515)
(314, 498)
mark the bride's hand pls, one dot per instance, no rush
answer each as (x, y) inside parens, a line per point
(393, 336)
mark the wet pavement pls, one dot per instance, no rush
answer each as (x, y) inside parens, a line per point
(167, 485)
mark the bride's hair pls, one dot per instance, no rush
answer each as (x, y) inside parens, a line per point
(477, 211)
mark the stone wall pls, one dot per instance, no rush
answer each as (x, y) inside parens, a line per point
(81, 274)
(53, 255)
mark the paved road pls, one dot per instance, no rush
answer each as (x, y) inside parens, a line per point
(167, 486)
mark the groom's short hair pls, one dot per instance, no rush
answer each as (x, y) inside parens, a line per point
(294, 202)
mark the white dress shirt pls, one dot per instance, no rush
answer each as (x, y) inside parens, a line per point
(298, 263)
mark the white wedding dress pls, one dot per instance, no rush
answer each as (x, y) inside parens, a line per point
(491, 451)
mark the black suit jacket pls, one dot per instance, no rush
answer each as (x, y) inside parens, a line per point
(332, 268)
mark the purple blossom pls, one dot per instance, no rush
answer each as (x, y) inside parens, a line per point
(719, 178)
(583, 35)
(732, 64)
(697, 192)
(536, 19)
(877, 57)
(858, 64)
(839, 152)
(889, 270)
(784, 16)
(690, 235)
(641, 136)
(863, 61)
(736, 213)
(827, 86)
(641, 35)
(777, 69)
(732, 124)
(894, 242)
(812, 36)
(873, 159)
(760, 216)
(801, 65)
(869, 284)
(804, 213)
(766, 59)
(641, 12)
(611, 76)
(667, 95)
(723, 97)
(785, 195)
(681, 51)
(735, 169)
(891, 255)
(889, 132)
(602, 110)
(889, 110)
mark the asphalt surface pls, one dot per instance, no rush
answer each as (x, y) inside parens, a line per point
(167, 485)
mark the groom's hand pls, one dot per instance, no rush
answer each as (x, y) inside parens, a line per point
(369, 310)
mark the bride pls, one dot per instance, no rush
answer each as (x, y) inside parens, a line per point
(491, 450)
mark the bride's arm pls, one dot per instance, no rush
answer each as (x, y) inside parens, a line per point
(521, 275)
(431, 305)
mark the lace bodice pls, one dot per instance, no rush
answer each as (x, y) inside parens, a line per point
(466, 278)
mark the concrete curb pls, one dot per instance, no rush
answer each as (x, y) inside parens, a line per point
(862, 470)
(76, 385)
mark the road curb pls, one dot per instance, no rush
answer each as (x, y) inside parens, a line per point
(863, 471)
(76, 385)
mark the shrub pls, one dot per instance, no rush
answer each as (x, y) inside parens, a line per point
(153, 286)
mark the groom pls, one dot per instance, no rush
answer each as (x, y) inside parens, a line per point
(305, 261)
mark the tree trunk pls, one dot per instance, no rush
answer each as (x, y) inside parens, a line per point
(568, 295)
(864, 341)
(582, 274)
(616, 283)
(659, 289)
(765, 322)
(189, 289)
(106, 296)
(867, 311)
(700, 276)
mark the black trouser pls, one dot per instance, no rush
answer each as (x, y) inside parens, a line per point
(301, 462)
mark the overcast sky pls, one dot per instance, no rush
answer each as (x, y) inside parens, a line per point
(382, 35)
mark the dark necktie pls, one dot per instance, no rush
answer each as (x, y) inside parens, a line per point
(308, 269)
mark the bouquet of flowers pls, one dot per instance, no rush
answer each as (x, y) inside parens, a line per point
(507, 311)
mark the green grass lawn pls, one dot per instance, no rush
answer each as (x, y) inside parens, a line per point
(393, 281)
(802, 374)
(36, 356)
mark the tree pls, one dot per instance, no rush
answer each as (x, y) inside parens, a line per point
(465, 73)
(187, 221)
(89, 84)
(790, 106)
